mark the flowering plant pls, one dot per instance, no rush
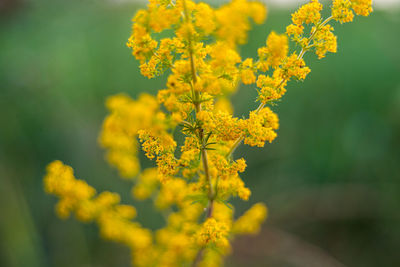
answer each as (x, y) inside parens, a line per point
(191, 186)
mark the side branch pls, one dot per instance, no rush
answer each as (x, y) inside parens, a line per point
(239, 140)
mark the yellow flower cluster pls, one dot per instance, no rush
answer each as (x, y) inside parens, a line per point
(324, 41)
(362, 7)
(260, 127)
(271, 87)
(250, 222)
(341, 9)
(120, 130)
(189, 129)
(213, 232)
(60, 181)
(76, 196)
(308, 13)
(233, 20)
(272, 54)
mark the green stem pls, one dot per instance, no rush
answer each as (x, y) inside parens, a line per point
(204, 157)
(197, 105)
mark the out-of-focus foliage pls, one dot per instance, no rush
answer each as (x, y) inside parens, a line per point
(330, 180)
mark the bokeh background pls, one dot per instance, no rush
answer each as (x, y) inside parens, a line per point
(331, 179)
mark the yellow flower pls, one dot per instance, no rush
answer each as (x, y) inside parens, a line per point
(205, 18)
(147, 183)
(308, 13)
(293, 66)
(362, 7)
(161, 17)
(221, 124)
(272, 88)
(60, 181)
(156, 145)
(250, 222)
(120, 129)
(341, 11)
(294, 29)
(325, 41)
(247, 73)
(213, 232)
(232, 20)
(275, 51)
(260, 127)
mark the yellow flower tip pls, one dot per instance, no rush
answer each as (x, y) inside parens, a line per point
(244, 194)
(205, 18)
(258, 12)
(59, 180)
(64, 208)
(107, 198)
(126, 211)
(274, 52)
(341, 11)
(362, 7)
(233, 23)
(308, 13)
(241, 165)
(250, 222)
(294, 29)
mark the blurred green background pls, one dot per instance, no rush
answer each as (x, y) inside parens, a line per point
(331, 179)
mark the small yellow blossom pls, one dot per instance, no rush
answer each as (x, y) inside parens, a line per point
(221, 123)
(247, 73)
(232, 20)
(341, 11)
(362, 7)
(250, 222)
(155, 145)
(308, 13)
(147, 183)
(275, 51)
(293, 66)
(294, 29)
(205, 18)
(260, 127)
(272, 88)
(213, 232)
(161, 17)
(120, 129)
(325, 41)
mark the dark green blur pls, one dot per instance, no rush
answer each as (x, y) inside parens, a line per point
(331, 178)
